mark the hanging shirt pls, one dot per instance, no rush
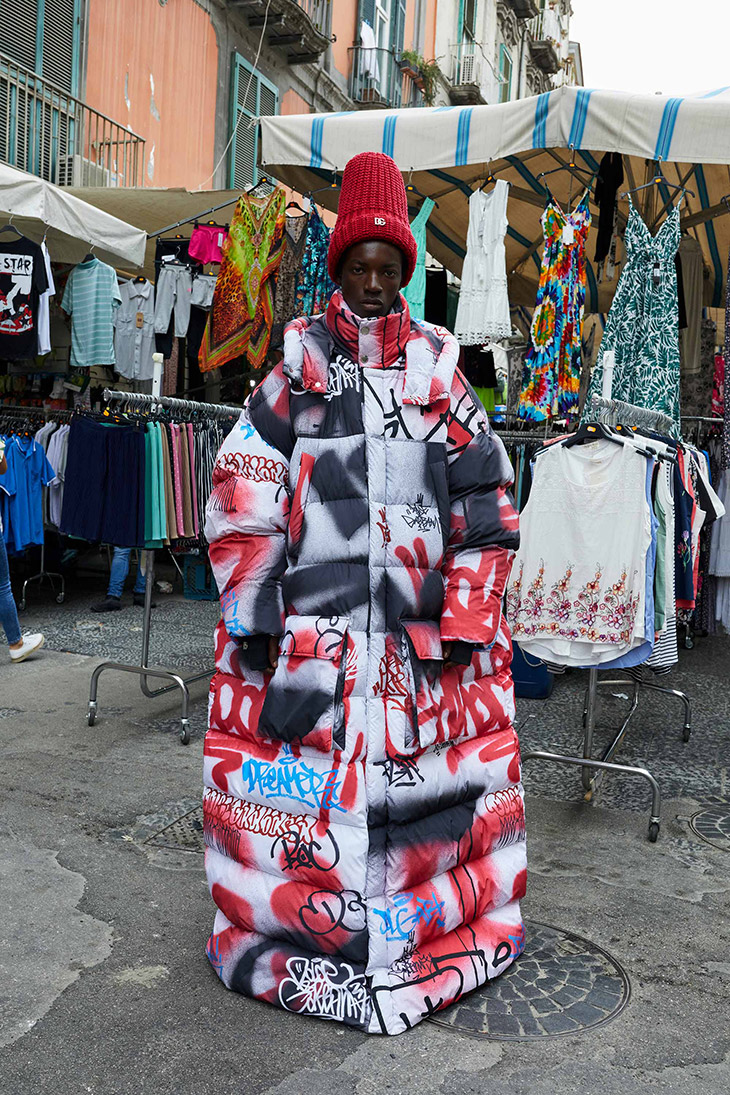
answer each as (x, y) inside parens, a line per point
(22, 486)
(22, 281)
(91, 298)
(415, 290)
(134, 330)
(44, 308)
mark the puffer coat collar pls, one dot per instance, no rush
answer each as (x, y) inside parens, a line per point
(431, 353)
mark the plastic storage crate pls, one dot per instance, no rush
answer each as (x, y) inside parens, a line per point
(198, 581)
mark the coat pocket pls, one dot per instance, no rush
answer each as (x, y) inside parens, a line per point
(298, 504)
(425, 660)
(304, 701)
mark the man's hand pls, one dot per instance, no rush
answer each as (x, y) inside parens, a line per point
(446, 649)
(273, 651)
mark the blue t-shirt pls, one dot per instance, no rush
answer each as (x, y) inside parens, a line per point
(21, 492)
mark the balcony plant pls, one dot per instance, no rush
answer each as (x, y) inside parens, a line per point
(425, 74)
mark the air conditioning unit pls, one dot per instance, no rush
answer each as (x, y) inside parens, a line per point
(78, 171)
(469, 69)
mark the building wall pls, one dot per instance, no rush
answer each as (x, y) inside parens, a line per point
(155, 69)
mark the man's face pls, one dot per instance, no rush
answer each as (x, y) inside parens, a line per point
(370, 277)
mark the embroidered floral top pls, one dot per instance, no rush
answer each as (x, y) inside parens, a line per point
(578, 584)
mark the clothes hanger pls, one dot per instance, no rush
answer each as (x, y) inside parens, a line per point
(411, 188)
(10, 227)
(139, 280)
(294, 205)
(90, 254)
(661, 179)
(571, 166)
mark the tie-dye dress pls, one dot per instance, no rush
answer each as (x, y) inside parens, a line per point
(551, 374)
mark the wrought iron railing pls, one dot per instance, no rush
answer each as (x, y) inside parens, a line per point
(319, 13)
(546, 27)
(50, 133)
(377, 80)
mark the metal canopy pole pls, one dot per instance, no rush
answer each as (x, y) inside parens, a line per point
(143, 670)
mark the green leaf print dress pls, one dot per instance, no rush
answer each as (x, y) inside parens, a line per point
(642, 329)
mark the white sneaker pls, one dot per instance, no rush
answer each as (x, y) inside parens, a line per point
(31, 644)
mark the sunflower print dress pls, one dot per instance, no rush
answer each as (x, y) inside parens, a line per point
(551, 373)
(642, 328)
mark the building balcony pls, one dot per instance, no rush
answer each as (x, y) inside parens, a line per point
(524, 9)
(466, 75)
(545, 38)
(379, 81)
(299, 27)
(49, 133)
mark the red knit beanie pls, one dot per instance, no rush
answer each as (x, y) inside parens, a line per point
(373, 206)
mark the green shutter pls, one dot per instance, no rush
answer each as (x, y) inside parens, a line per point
(366, 13)
(18, 33)
(397, 26)
(252, 96)
(43, 36)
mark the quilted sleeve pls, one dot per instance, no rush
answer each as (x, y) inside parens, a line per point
(248, 512)
(484, 531)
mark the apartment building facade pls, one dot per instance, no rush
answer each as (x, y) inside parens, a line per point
(165, 93)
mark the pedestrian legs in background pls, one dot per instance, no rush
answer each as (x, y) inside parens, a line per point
(21, 646)
(117, 577)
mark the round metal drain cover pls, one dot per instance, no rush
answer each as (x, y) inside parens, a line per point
(713, 825)
(184, 834)
(561, 984)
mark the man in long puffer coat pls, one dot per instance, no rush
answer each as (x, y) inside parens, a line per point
(364, 818)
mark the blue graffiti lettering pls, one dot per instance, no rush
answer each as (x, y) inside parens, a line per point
(403, 923)
(292, 778)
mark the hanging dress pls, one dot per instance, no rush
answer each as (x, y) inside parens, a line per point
(551, 374)
(314, 286)
(483, 311)
(415, 290)
(242, 311)
(642, 328)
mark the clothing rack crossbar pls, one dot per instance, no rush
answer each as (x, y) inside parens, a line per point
(171, 403)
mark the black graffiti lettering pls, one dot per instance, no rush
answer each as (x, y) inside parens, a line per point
(502, 952)
(301, 850)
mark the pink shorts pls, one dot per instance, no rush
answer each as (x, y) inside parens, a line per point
(206, 243)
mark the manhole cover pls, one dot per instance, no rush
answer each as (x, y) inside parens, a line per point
(184, 834)
(713, 825)
(562, 984)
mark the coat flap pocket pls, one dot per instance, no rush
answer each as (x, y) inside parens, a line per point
(314, 636)
(425, 637)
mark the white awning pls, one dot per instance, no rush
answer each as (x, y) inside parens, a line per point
(445, 151)
(71, 226)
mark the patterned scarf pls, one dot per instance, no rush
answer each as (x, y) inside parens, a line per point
(242, 312)
(431, 353)
(389, 334)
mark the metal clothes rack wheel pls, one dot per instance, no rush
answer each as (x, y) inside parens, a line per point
(143, 671)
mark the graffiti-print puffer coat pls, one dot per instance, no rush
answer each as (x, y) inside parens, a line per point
(364, 818)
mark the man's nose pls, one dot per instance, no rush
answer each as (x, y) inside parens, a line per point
(372, 283)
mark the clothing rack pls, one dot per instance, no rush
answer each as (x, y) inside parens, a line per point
(143, 670)
(49, 414)
(172, 403)
(592, 768)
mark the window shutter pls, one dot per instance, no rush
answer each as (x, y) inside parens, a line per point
(59, 35)
(367, 13)
(18, 34)
(252, 96)
(398, 26)
(470, 17)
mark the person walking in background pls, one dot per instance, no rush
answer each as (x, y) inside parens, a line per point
(21, 646)
(117, 577)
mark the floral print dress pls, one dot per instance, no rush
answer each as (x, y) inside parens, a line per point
(642, 329)
(551, 373)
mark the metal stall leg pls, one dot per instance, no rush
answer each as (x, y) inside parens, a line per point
(143, 671)
(656, 800)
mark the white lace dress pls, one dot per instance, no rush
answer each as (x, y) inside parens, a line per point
(483, 311)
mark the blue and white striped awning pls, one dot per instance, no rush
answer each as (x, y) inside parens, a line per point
(446, 149)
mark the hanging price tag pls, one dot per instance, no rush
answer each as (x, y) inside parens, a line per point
(140, 320)
(568, 234)
(221, 239)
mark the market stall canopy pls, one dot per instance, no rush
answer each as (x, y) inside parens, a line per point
(448, 151)
(71, 226)
(152, 209)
